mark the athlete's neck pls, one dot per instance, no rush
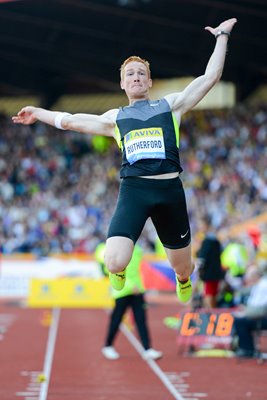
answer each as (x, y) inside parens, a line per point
(134, 100)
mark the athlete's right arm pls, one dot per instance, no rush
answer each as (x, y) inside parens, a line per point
(85, 123)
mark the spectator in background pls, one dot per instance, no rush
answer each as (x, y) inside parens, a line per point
(252, 317)
(209, 262)
(235, 259)
(131, 296)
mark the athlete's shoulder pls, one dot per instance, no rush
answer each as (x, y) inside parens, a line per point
(172, 99)
(111, 114)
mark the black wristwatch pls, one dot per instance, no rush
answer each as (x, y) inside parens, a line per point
(219, 33)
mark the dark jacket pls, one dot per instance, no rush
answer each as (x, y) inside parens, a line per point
(210, 259)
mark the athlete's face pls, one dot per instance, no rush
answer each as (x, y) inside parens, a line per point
(135, 80)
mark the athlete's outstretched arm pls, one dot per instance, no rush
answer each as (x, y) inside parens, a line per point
(199, 87)
(85, 123)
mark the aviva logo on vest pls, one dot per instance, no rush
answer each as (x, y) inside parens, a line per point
(141, 133)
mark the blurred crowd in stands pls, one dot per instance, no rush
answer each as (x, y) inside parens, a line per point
(58, 189)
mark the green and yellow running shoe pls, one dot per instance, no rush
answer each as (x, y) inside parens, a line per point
(184, 290)
(117, 280)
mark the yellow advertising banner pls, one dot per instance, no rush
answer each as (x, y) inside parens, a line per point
(70, 293)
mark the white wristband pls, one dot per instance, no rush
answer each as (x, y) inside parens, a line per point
(59, 118)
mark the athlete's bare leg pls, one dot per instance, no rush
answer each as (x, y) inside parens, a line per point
(118, 253)
(181, 261)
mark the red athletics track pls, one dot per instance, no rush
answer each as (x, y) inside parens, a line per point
(68, 351)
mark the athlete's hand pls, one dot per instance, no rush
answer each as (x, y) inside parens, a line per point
(226, 26)
(25, 116)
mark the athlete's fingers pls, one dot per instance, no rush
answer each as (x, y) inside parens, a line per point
(22, 111)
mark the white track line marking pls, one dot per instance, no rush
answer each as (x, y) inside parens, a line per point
(153, 365)
(50, 347)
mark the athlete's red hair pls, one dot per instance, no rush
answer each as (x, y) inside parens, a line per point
(138, 59)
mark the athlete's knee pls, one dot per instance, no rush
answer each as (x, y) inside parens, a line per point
(118, 253)
(116, 261)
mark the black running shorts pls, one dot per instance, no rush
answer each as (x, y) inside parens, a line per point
(161, 199)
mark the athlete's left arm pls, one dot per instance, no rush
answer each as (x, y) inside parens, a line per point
(199, 87)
